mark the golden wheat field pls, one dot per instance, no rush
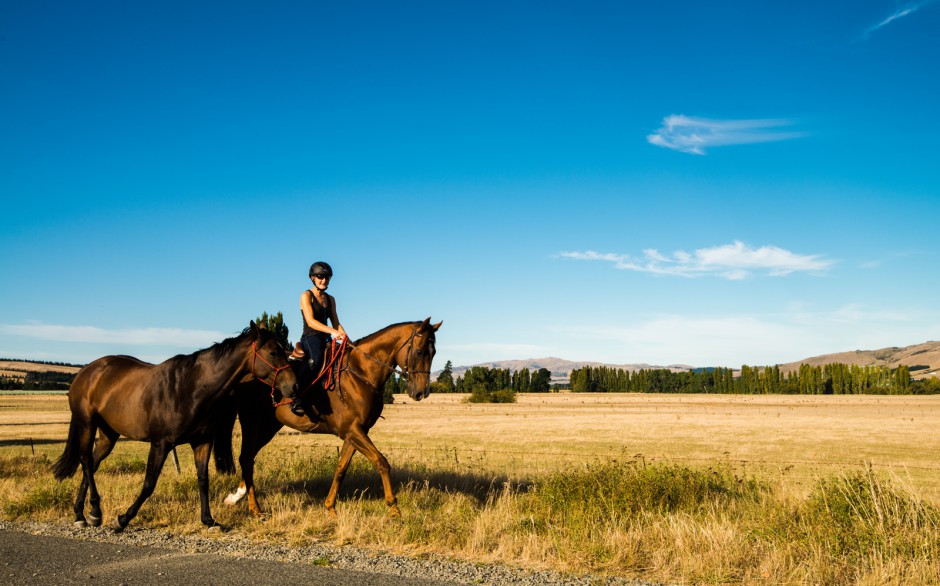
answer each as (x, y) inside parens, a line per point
(695, 488)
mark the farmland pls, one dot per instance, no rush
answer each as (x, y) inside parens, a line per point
(514, 483)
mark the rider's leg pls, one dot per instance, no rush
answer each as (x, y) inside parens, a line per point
(313, 344)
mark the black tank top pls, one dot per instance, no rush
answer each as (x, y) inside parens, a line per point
(319, 314)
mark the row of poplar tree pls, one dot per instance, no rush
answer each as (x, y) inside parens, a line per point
(483, 378)
(839, 379)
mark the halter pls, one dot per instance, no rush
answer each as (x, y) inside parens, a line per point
(277, 370)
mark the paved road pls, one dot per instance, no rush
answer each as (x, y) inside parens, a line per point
(27, 559)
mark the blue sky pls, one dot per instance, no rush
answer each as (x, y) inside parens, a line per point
(670, 182)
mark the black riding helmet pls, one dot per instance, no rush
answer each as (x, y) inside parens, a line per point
(321, 269)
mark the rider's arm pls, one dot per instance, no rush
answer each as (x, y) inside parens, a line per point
(334, 319)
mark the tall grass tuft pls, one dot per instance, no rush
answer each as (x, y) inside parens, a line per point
(55, 495)
(863, 522)
(616, 489)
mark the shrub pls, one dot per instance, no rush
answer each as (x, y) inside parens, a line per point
(481, 395)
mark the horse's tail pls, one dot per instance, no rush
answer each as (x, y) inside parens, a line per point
(223, 426)
(68, 462)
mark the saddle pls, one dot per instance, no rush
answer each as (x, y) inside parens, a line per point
(298, 355)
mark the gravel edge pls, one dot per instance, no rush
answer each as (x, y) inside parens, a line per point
(347, 557)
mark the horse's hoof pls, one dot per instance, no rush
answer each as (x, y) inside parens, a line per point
(80, 524)
(94, 521)
(394, 513)
(118, 526)
(331, 512)
(216, 529)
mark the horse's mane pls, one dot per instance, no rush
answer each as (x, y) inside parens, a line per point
(373, 335)
(219, 350)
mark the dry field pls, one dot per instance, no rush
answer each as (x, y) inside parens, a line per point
(691, 488)
(797, 437)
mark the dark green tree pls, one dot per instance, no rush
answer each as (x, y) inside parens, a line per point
(275, 324)
(393, 385)
(540, 381)
(446, 378)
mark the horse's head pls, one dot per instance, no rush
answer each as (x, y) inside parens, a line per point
(268, 361)
(415, 358)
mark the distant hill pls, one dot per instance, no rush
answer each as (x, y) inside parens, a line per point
(19, 368)
(922, 359)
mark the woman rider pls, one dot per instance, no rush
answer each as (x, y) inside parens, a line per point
(316, 306)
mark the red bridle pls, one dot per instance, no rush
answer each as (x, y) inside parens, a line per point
(277, 370)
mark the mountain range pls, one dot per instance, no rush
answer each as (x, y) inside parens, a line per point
(922, 359)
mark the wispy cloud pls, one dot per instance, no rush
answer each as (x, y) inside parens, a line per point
(732, 340)
(172, 337)
(901, 11)
(688, 134)
(731, 261)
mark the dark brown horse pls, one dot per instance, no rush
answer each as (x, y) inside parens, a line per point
(165, 404)
(347, 410)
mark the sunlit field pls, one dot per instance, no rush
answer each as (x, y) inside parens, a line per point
(697, 488)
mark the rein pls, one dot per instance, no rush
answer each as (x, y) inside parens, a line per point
(337, 352)
(277, 370)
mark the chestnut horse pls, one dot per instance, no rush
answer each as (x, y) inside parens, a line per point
(165, 404)
(348, 409)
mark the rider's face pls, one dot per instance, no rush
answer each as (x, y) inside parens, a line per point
(321, 282)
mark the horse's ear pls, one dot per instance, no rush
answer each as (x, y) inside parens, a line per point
(426, 322)
(437, 325)
(254, 328)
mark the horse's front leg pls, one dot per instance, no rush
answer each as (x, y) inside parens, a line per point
(363, 444)
(155, 461)
(201, 452)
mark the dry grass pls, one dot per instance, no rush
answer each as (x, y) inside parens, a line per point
(702, 489)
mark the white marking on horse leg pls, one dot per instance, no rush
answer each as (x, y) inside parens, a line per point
(236, 496)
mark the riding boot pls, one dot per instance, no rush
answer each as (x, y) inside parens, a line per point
(297, 407)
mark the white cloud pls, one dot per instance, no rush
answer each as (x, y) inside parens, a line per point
(901, 11)
(693, 135)
(734, 261)
(172, 337)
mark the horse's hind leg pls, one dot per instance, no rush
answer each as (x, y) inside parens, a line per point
(201, 453)
(85, 445)
(255, 436)
(107, 437)
(345, 457)
(155, 461)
